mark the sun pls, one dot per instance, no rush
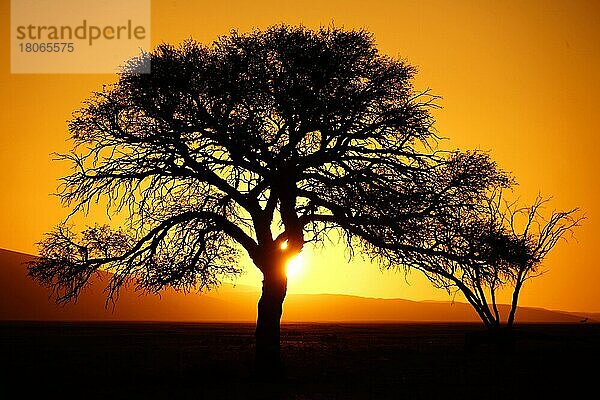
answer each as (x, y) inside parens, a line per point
(294, 266)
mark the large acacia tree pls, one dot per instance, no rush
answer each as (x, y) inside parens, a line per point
(260, 139)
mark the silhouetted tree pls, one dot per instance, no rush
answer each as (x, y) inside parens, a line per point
(271, 137)
(520, 238)
(484, 245)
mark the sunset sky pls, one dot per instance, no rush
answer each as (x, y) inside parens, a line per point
(517, 78)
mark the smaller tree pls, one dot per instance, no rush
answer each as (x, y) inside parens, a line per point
(491, 246)
(524, 246)
(483, 244)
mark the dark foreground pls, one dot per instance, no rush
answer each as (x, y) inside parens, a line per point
(324, 361)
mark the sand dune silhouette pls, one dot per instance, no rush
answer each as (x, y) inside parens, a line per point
(23, 299)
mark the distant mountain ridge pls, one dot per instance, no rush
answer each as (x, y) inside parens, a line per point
(23, 299)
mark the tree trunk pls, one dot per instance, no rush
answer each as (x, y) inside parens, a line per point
(270, 307)
(514, 303)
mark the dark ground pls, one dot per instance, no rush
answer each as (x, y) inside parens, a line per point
(324, 361)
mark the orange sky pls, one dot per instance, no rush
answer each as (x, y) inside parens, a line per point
(517, 78)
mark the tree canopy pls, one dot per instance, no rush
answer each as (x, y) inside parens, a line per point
(308, 129)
